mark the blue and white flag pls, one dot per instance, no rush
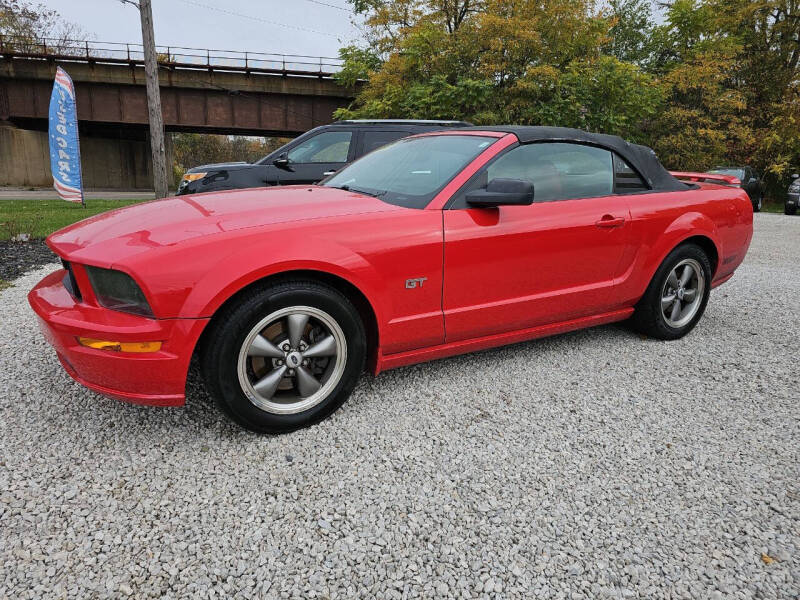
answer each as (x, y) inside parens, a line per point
(65, 151)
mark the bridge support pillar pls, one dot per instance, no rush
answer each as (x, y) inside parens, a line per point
(107, 163)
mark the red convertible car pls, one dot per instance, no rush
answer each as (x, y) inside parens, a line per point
(436, 245)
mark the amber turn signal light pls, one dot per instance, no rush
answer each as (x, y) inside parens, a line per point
(193, 176)
(135, 347)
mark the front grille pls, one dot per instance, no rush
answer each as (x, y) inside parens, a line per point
(69, 281)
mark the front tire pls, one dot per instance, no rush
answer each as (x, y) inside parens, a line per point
(789, 210)
(757, 204)
(284, 356)
(677, 295)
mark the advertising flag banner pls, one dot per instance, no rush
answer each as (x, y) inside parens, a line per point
(65, 151)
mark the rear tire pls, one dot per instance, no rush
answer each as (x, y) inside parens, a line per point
(285, 356)
(677, 295)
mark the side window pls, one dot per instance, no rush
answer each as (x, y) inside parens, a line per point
(327, 147)
(626, 180)
(371, 140)
(558, 171)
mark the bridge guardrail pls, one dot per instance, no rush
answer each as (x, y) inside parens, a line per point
(170, 56)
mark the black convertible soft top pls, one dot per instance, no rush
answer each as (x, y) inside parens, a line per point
(641, 158)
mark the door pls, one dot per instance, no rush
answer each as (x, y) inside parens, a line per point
(516, 267)
(313, 157)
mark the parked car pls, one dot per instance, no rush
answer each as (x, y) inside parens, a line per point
(793, 196)
(310, 157)
(750, 181)
(435, 245)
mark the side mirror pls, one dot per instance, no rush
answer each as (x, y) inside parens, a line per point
(282, 161)
(502, 192)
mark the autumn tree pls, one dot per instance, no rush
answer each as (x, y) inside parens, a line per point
(731, 68)
(707, 82)
(24, 25)
(493, 61)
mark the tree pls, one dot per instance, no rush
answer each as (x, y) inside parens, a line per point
(631, 31)
(732, 70)
(708, 82)
(495, 61)
(24, 26)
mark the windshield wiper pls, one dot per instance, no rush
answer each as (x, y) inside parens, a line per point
(350, 188)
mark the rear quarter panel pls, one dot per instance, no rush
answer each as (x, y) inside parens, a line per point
(662, 221)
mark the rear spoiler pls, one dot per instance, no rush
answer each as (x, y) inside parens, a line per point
(706, 178)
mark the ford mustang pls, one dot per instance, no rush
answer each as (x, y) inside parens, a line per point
(435, 245)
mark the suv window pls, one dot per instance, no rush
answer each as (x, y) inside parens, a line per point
(375, 139)
(327, 147)
(626, 180)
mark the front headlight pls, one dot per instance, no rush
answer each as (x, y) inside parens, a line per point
(118, 291)
(794, 188)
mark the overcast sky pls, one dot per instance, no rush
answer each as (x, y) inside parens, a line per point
(310, 27)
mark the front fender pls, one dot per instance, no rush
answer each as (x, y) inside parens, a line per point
(241, 268)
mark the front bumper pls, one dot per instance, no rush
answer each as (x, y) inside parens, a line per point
(157, 378)
(793, 200)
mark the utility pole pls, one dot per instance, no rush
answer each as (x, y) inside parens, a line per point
(153, 97)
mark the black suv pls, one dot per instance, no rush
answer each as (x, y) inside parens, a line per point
(751, 183)
(310, 157)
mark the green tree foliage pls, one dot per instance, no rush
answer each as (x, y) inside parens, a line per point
(632, 31)
(707, 82)
(492, 61)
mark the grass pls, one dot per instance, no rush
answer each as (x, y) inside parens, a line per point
(772, 207)
(40, 218)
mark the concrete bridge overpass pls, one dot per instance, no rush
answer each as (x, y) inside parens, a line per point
(204, 91)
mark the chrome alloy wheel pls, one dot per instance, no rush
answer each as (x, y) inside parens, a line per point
(682, 293)
(292, 359)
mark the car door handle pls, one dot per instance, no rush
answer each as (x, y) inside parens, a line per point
(609, 221)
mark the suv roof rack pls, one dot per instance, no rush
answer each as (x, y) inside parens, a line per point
(404, 122)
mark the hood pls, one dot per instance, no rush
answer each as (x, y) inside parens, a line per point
(104, 239)
(230, 166)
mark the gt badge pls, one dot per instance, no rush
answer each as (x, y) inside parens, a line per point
(415, 283)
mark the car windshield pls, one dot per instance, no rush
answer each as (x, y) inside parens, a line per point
(735, 172)
(410, 172)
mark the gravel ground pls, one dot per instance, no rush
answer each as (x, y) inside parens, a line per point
(591, 465)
